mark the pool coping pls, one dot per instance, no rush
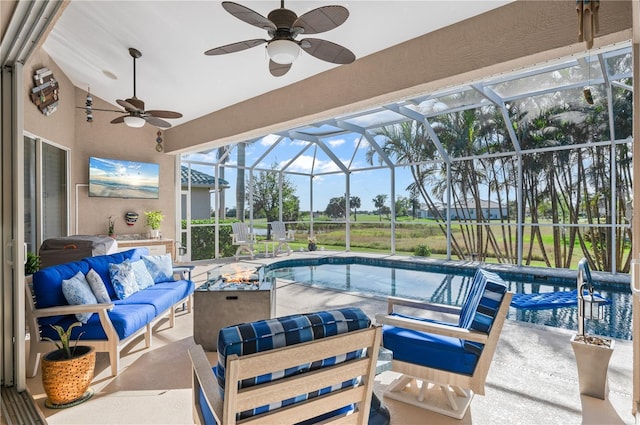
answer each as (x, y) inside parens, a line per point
(523, 273)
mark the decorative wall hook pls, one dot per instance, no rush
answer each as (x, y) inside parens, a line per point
(159, 146)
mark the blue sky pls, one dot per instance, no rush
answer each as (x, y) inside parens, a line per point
(350, 149)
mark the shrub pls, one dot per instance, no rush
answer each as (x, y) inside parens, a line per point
(422, 251)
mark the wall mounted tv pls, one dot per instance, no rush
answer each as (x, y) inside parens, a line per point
(117, 178)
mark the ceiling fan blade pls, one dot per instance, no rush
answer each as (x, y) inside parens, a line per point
(129, 107)
(247, 15)
(322, 19)
(156, 121)
(118, 120)
(235, 47)
(278, 69)
(327, 51)
(164, 114)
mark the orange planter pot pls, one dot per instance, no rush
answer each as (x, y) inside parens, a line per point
(66, 381)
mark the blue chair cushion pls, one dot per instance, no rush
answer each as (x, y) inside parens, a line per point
(430, 350)
(446, 353)
(487, 308)
(264, 335)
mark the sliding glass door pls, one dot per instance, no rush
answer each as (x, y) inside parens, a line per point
(46, 192)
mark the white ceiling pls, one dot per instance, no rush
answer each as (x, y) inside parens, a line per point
(91, 39)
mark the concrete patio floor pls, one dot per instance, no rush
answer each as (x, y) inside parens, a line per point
(532, 380)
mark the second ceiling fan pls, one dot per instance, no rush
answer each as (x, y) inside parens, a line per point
(283, 26)
(136, 115)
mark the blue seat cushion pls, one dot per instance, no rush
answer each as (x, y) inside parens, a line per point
(430, 350)
(126, 319)
(161, 295)
(264, 335)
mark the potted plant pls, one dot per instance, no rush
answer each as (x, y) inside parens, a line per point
(112, 224)
(32, 264)
(67, 371)
(154, 218)
(312, 246)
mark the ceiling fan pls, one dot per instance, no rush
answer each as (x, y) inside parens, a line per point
(283, 26)
(136, 115)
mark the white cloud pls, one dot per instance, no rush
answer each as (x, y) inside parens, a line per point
(269, 139)
(336, 142)
(304, 163)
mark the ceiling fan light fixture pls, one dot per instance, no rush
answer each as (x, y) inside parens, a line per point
(133, 121)
(283, 52)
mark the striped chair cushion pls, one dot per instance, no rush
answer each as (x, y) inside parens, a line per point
(489, 290)
(263, 335)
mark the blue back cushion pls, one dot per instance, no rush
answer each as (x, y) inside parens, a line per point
(264, 335)
(47, 282)
(47, 286)
(491, 294)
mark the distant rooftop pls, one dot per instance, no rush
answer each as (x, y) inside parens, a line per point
(200, 179)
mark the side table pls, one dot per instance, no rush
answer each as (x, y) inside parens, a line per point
(215, 308)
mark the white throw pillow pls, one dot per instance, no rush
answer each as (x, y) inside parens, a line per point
(97, 287)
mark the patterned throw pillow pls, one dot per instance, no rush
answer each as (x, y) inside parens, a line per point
(97, 287)
(160, 267)
(143, 278)
(77, 292)
(123, 279)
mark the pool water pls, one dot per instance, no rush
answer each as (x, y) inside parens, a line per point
(451, 289)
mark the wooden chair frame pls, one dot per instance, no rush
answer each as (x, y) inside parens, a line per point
(239, 368)
(243, 238)
(458, 389)
(282, 236)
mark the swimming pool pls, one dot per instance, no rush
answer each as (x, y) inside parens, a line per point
(448, 283)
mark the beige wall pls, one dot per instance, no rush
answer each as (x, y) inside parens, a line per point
(519, 34)
(68, 127)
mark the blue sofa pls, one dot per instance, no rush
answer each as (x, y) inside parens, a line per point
(110, 325)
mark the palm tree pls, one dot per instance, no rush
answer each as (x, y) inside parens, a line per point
(354, 203)
(378, 202)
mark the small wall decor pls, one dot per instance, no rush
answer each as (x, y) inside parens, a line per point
(159, 147)
(88, 104)
(131, 218)
(45, 93)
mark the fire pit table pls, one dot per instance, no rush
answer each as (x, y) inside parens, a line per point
(227, 299)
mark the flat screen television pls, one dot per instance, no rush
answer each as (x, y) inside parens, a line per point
(117, 178)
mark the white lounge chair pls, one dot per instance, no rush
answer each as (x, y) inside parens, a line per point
(282, 236)
(243, 238)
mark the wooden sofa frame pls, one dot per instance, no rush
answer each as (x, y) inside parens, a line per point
(242, 367)
(112, 345)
